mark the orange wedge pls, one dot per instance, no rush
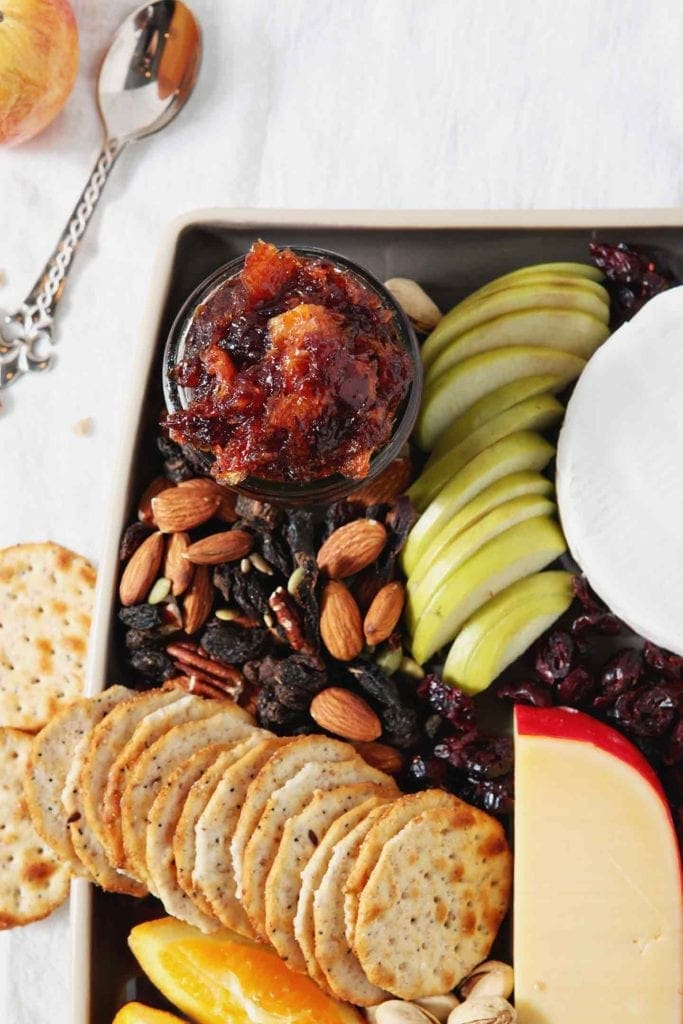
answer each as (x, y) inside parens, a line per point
(223, 977)
(137, 1013)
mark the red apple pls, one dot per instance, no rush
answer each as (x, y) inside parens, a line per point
(38, 64)
(598, 922)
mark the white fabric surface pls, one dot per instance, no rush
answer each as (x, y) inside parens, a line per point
(305, 103)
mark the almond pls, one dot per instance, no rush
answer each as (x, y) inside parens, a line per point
(228, 546)
(350, 548)
(384, 613)
(340, 623)
(145, 513)
(142, 570)
(198, 600)
(391, 482)
(176, 568)
(180, 508)
(228, 499)
(381, 756)
(345, 714)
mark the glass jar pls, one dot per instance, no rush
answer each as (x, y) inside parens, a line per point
(326, 489)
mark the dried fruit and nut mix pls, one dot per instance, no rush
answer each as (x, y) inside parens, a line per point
(296, 371)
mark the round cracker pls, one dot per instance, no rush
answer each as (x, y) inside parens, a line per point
(33, 881)
(312, 876)
(148, 730)
(343, 974)
(282, 766)
(398, 814)
(107, 740)
(46, 598)
(300, 837)
(211, 873)
(162, 822)
(51, 760)
(287, 801)
(228, 723)
(440, 888)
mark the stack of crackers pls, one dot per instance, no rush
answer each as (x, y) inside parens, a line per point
(46, 596)
(293, 841)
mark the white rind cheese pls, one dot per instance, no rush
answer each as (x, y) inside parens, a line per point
(620, 471)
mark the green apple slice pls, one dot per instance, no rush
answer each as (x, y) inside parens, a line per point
(516, 485)
(420, 590)
(518, 552)
(512, 454)
(583, 271)
(462, 319)
(467, 382)
(504, 628)
(568, 330)
(532, 414)
(534, 276)
(492, 405)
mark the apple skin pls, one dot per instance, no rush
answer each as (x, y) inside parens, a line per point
(38, 65)
(569, 724)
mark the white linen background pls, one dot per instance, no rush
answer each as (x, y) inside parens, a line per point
(304, 103)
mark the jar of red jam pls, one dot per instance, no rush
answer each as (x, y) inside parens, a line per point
(293, 373)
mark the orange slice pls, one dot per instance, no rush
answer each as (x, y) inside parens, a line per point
(224, 977)
(137, 1013)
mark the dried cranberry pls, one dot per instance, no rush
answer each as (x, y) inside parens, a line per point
(554, 657)
(620, 674)
(646, 712)
(575, 689)
(586, 596)
(426, 771)
(599, 622)
(669, 665)
(497, 796)
(486, 757)
(632, 276)
(526, 692)
(449, 702)
(673, 749)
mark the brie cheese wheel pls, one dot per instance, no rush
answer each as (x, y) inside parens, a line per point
(620, 471)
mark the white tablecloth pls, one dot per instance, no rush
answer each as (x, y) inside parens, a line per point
(330, 103)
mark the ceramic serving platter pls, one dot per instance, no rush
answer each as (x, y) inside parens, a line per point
(451, 254)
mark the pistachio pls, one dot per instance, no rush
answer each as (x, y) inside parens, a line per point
(160, 591)
(487, 1010)
(439, 1006)
(395, 1011)
(389, 659)
(492, 978)
(418, 307)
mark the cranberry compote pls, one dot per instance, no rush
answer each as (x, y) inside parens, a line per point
(295, 369)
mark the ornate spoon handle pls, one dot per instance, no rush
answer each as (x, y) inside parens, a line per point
(26, 343)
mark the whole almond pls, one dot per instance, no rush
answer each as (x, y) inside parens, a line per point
(176, 568)
(350, 548)
(198, 600)
(384, 613)
(142, 570)
(228, 499)
(181, 508)
(341, 627)
(381, 756)
(345, 714)
(391, 482)
(145, 513)
(228, 546)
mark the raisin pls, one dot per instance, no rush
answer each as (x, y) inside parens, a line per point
(138, 638)
(340, 513)
(133, 536)
(259, 514)
(275, 552)
(400, 724)
(232, 644)
(375, 684)
(272, 714)
(142, 616)
(154, 665)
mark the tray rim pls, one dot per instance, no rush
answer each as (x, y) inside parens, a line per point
(80, 915)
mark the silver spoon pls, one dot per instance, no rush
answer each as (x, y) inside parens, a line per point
(146, 77)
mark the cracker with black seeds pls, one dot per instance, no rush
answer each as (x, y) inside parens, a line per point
(46, 599)
(440, 888)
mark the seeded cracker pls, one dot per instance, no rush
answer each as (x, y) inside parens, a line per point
(286, 802)
(46, 596)
(300, 838)
(33, 882)
(312, 876)
(440, 888)
(211, 873)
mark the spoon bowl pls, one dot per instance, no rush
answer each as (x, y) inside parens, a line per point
(149, 70)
